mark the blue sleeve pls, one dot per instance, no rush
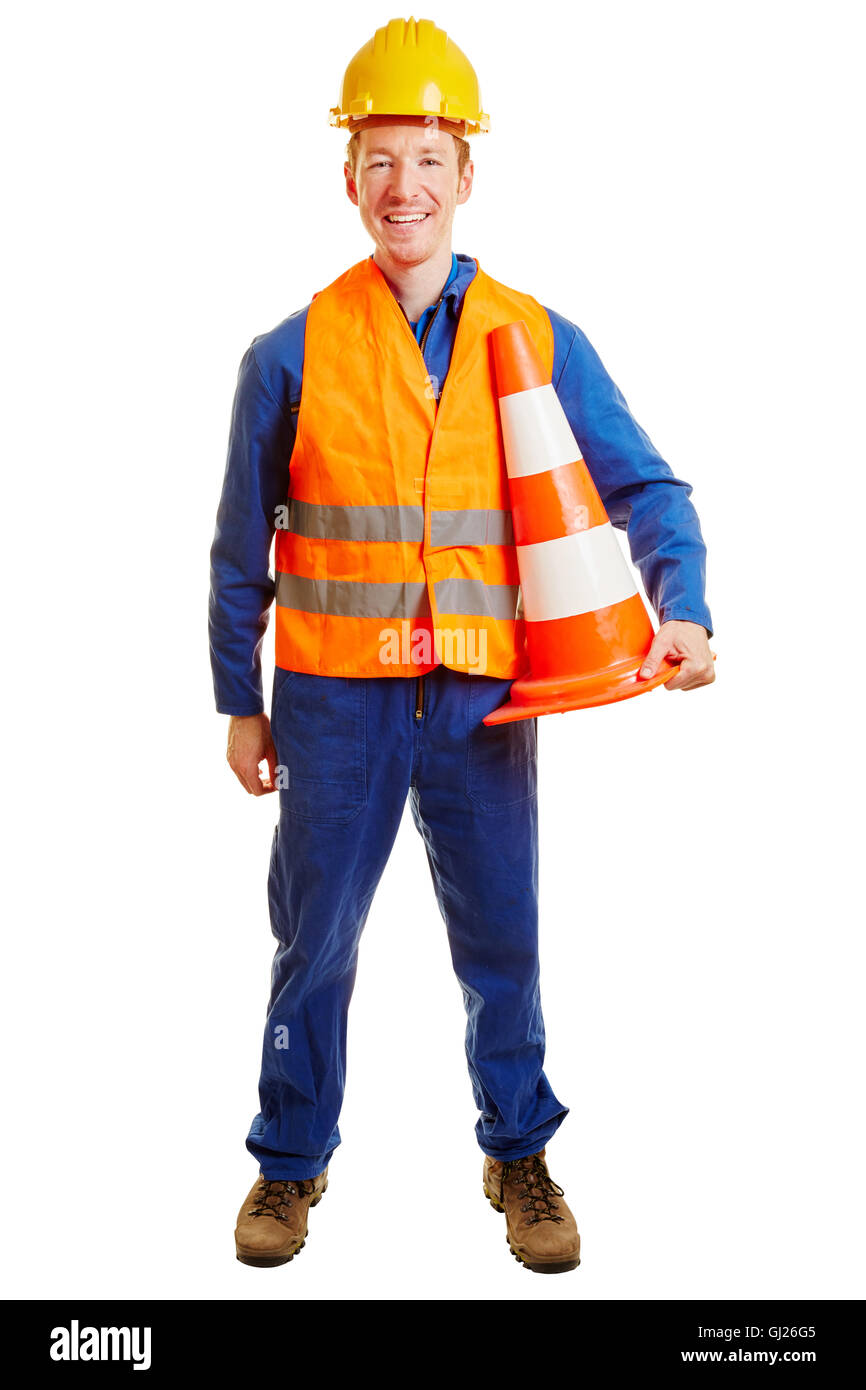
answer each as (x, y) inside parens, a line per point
(639, 491)
(256, 482)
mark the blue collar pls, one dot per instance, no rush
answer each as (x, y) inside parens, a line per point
(463, 272)
(452, 275)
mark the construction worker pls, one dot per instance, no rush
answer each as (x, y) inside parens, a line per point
(364, 438)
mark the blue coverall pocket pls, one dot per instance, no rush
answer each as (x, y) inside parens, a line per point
(319, 728)
(501, 759)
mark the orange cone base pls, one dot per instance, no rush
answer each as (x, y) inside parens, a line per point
(557, 695)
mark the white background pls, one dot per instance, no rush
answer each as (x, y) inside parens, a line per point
(685, 182)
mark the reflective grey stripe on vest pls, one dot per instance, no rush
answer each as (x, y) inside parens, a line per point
(352, 598)
(471, 527)
(475, 526)
(321, 521)
(474, 597)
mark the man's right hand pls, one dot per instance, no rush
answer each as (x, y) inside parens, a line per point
(250, 744)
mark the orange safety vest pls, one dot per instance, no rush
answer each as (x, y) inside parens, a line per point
(397, 550)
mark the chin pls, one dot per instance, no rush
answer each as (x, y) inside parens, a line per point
(411, 254)
(407, 255)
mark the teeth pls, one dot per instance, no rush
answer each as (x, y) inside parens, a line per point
(410, 217)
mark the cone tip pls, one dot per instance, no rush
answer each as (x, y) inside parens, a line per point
(515, 359)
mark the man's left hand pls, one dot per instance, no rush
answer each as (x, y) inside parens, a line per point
(687, 644)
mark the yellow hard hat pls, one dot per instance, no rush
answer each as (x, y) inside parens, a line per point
(411, 68)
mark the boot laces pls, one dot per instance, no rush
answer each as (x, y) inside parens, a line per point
(281, 1190)
(538, 1186)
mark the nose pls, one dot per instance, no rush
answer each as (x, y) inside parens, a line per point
(404, 182)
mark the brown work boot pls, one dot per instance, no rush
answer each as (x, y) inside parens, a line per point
(542, 1232)
(272, 1223)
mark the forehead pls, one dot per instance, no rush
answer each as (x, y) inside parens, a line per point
(406, 139)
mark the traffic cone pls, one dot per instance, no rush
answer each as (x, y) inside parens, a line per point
(587, 628)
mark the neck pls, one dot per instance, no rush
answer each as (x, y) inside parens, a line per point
(416, 287)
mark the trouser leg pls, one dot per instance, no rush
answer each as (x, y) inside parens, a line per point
(347, 773)
(474, 800)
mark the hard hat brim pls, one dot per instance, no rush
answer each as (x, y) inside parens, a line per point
(456, 128)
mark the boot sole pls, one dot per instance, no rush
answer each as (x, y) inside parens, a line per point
(271, 1261)
(559, 1267)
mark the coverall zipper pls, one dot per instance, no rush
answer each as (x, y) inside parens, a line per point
(429, 325)
(419, 693)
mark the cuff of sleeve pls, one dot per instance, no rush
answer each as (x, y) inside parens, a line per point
(238, 712)
(678, 613)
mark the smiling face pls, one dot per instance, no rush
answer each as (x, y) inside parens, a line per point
(407, 186)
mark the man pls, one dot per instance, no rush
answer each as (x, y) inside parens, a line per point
(364, 435)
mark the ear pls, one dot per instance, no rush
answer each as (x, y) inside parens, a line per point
(351, 186)
(465, 187)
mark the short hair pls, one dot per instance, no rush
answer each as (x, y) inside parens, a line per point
(354, 147)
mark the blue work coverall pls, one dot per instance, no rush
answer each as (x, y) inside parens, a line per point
(356, 748)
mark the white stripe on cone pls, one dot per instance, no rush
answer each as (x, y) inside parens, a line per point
(569, 575)
(536, 432)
